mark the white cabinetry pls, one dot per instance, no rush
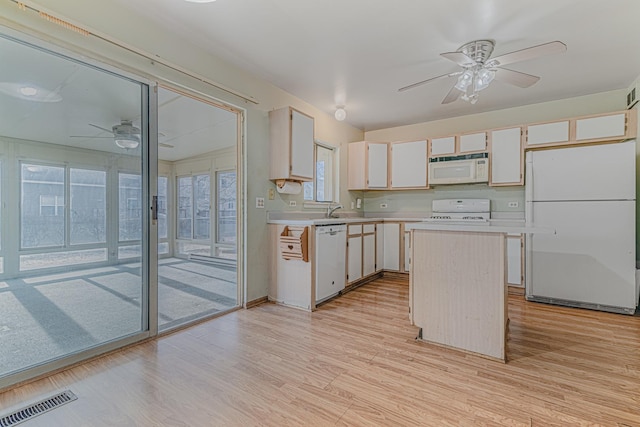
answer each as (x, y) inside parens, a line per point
(601, 127)
(368, 254)
(379, 247)
(548, 133)
(354, 254)
(291, 141)
(407, 251)
(368, 165)
(514, 259)
(473, 142)
(506, 157)
(442, 146)
(409, 164)
(361, 251)
(392, 246)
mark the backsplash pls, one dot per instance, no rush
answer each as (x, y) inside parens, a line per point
(420, 200)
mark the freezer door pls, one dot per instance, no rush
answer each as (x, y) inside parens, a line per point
(590, 259)
(595, 172)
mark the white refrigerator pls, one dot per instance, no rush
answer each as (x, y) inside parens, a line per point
(587, 194)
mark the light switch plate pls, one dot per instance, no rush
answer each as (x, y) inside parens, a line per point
(260, 202)
(272, 194)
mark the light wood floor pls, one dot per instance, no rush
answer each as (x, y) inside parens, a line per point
(355, 362)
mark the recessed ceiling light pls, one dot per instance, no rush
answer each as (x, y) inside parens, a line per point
(28, 90)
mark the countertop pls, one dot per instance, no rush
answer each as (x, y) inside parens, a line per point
(493, 226)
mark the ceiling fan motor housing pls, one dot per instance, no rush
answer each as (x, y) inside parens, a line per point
(478, 50)
(126, 128)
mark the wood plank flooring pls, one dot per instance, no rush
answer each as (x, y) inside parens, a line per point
(355, 362)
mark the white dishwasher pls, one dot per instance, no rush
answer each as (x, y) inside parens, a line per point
(331, 246)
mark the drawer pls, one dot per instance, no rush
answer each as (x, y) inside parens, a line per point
(369, 228)
(355, 229)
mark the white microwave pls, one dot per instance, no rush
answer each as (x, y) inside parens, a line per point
(471, 168)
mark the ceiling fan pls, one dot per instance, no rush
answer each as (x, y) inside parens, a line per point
(479, 69)
(125, 135)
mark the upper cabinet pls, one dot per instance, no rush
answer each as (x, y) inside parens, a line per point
(409, 164)
(368, 165)
(473, 142)
(291, 139)
(610, 127)
(506, 157)
(443, 146)
(548, 133)
(601, 127)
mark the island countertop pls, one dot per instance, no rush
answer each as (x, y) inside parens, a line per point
(500, 226)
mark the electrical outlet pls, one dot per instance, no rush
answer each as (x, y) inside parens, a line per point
(513, 204)
(272, 194)
(383, 206)
(259, 202)
(292, 203)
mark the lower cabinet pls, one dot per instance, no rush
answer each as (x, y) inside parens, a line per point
(391, 258)
(514, 260)
(361, 251)
(354, 258)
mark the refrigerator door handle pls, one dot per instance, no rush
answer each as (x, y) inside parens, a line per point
(528, 183)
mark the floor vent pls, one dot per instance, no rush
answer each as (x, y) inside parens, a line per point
(37, 408)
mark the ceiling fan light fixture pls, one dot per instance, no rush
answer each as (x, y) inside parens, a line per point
(483, 78)
(464, 80)
(340, 114)
(127, 142)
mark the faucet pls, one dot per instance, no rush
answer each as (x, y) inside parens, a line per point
(331, 210)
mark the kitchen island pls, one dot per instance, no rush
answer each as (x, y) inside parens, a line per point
(458, 294)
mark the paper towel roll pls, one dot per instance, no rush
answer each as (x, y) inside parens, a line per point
(289, 187)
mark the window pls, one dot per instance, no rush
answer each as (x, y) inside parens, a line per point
(194, 207)
(226, 213)
(129, 207)
(42, 215)
(321, 189)
(88, 206)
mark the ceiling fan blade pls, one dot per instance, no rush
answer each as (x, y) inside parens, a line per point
(163, 145)
(515, 78)
(459, 58)
(452, 95)
(101, 128)
(528, 53)
(402, 89)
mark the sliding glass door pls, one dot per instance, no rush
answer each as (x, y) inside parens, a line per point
(74, 230)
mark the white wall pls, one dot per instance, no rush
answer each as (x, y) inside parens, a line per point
(138, 32)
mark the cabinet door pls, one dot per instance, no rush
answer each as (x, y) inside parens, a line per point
(379, 247)
(601, 127)
(368, 254)
(514, 260)
(473, 142)
(301, 145)
(354, 266)
(407, 251)
(392, 246)
(409, 164)
(506, 157)
(377, 165)
(357, 166)
(548, 133)
(440, 146)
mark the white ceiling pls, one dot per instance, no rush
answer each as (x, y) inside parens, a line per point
(359, 52)
(87, 96)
